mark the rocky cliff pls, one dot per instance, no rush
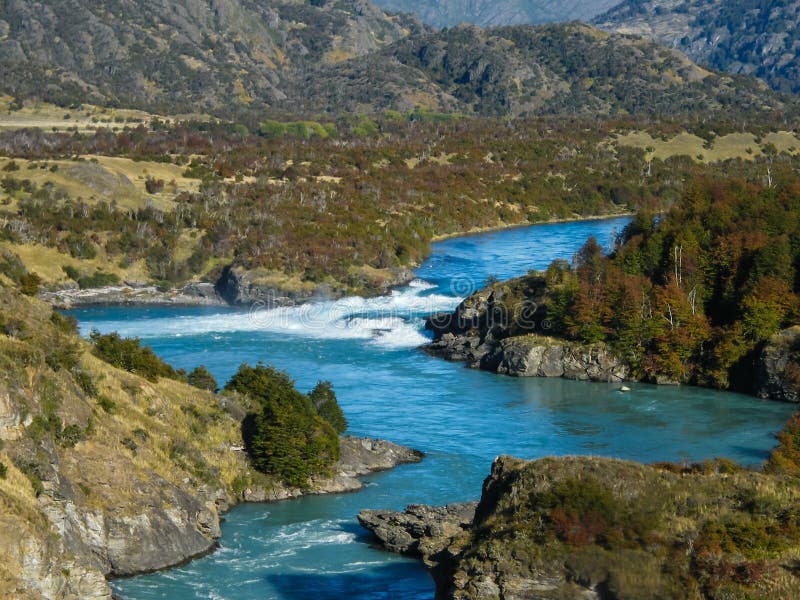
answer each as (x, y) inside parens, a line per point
(778, 374)
(503, 327)
(596, 528)
(106, 473)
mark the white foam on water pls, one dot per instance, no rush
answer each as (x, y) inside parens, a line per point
(390, 321)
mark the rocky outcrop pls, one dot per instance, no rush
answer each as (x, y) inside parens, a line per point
(134, 293)
(540, 356)
(358, 456)
(420, 531)
(502, 329)
(593, 528)
(778, 374)
(242, 287)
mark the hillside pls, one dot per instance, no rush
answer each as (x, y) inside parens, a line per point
(599, 528)
(112, 464)
(755, 37)
(524, 70)
(446, 13)
(240, 57)
(182, 56)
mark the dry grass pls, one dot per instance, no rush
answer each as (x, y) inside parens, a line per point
(85, 119)
(732, 146)
(48, 264)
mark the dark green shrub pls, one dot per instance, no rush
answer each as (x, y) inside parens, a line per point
(286, 437)
(71, 272)
(106, 403)
(324, 400)
(29, 284)
(200, 377)
(98, 279)
(130, 355)
(3, 471)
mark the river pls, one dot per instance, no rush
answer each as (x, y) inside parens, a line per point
(313, 548)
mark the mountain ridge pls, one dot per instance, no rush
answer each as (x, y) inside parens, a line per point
(234, 57)
(754, 37)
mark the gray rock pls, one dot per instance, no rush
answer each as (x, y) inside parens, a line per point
(420, 531)
(778, 375)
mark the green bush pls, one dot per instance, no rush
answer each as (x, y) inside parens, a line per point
(200, 377)
(324, 400)
(130, 355)
(98, 279)
(286, 437)
(29, 284)
(3, 471)
(106, 403)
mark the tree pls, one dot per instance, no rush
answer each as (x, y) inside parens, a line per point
(200, 377)
(288, 438)
(324, 400)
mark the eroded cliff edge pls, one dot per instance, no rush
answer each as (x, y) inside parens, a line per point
(599, 528)
(507, 328)
(106, 473)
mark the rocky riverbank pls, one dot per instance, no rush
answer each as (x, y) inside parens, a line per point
(503, 328)
(235, 287)
(605, 529)
(105, 473)
(358, 457)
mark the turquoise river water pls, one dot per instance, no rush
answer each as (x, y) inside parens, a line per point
(313, 548)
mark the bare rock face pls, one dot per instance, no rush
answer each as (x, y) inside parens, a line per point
(432, 533)
(501, 329)
(539, 356)
(779, 367)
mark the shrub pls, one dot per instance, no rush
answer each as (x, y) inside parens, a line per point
(3, 471)
(286, 437)
(106, 403)
(130, 355)
(29, 284)
(324, 400)
(71, 272)
(64, 323)
(98, 279)
(86, 382)
(153, 186)
(200, 377)
(62, 353)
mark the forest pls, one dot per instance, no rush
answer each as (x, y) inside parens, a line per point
(323, 201)
(691, 295)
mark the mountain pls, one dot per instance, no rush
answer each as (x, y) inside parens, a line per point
(446, 13)
(203, 54)
(754, 37)
(230, 57)
(529, 70)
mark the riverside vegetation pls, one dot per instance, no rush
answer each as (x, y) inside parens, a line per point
(335, 207)
(133, 465)
(301, 180)
(691, 296)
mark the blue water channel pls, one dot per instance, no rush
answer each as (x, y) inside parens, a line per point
(313, 548)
